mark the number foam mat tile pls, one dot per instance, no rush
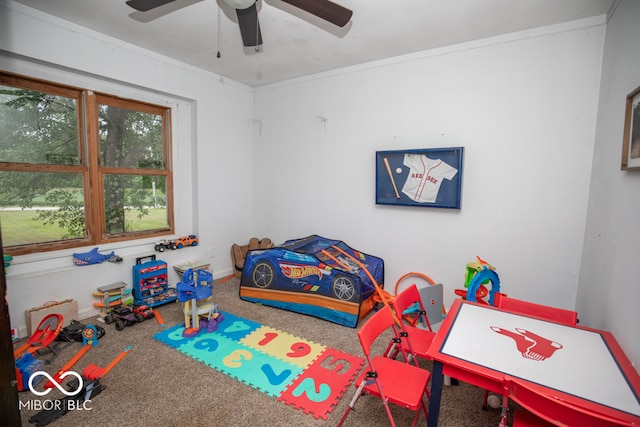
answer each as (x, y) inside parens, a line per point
(302, 374)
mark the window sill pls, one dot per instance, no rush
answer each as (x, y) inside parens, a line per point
(45, 263)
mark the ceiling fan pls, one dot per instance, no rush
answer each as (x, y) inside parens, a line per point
(248, 14)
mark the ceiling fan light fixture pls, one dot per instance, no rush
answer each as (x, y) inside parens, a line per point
(240, 4)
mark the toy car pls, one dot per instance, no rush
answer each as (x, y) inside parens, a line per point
(190, 240)
(144, 310)
(162, 245)
(123, 316)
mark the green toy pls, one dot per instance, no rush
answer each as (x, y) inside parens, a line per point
(7, 262)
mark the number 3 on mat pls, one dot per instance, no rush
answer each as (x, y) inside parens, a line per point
(235, 358)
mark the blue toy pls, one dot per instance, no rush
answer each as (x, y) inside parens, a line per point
(478, 275)
(26, 365)
(479, 279)
(194, 285)
(320, 277)
(93, 257)
(195, 293)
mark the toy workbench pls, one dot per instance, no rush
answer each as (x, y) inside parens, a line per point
(150, 282)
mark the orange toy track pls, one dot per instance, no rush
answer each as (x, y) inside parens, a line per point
(385, 297)
(49, 384)
(159, 318)
(227, 278)
(103, 305)
(46, 332)
(89, 339)
(93, 371)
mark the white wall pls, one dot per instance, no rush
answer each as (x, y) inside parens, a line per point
(609, 291)
(210, 133)
(522, 105)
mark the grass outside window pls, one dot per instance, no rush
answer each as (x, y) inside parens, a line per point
(80, 168)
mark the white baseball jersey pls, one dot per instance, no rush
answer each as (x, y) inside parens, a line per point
(425, 177)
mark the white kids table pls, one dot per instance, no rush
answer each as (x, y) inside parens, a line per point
(480, 345)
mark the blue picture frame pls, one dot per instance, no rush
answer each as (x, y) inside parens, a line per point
(430, 177)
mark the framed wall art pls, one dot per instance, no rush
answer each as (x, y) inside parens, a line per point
(430, 177)
(631, 138)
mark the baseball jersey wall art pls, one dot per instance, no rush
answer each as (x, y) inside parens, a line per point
(425, 177)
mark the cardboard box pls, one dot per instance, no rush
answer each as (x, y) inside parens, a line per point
(67, 308)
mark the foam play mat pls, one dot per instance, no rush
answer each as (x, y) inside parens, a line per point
(300, 373)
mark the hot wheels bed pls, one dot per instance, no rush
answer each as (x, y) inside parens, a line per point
(321, 277)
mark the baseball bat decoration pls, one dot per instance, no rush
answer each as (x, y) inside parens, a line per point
(393, 181)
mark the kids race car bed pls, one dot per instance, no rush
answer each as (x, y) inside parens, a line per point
(320, 277)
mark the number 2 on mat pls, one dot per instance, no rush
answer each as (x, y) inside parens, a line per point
(308, 387)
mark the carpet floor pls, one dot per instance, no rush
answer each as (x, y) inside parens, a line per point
(156, 385)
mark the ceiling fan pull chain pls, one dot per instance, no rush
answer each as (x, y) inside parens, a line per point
(218, 54)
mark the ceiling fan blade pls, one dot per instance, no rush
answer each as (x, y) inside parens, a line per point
(249, 26)
(324, 9)
(145, 5)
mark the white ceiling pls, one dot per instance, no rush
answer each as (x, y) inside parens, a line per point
(298, 44)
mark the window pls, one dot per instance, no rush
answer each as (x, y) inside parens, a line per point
(79, 168)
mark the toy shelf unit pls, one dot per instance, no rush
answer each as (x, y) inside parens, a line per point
(150, 282)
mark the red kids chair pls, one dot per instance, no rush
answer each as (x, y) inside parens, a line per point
(541, 410)
(412, 338)
(390, 380)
